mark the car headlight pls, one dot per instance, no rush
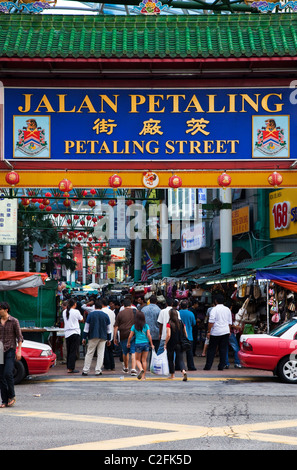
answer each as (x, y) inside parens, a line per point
(46, 353)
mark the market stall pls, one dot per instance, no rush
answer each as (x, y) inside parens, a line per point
(281, 288)
(32, 298)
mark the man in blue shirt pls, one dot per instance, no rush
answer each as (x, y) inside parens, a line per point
(98, 330)
(188, 318)
(151, 313)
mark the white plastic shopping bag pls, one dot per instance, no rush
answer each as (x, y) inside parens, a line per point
(159, 363)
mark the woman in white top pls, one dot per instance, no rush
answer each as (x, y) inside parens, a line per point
(72, 317)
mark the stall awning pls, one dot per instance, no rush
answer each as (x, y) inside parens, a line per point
(285, 277)
(268, 260)
(27, 283)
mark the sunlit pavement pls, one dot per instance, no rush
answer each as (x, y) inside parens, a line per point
(60, 372)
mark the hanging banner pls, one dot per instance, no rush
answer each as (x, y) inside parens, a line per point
(149, 125)
(8, 221)
(193, 238)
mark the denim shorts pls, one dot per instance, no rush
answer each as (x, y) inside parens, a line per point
(142, 347)
(125, 349)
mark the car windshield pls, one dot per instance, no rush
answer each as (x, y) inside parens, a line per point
(283, 328)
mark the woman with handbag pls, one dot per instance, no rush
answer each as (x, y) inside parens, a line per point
(174, 330)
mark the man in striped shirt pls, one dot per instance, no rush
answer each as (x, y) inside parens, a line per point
(10, 338)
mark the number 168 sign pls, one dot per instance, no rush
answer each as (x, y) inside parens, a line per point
(283, 213)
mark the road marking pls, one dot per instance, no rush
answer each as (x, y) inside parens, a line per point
(172, 431)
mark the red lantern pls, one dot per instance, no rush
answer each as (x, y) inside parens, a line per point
(12, 178)
(224, 180)
(65, 185)
(25, 202)
(129, 202)
(89, 217)
(67, 203)
(48, 208)
(48, 195)
(112, 202)
(94, 219)
(84, 193)
(68, 221)
(175, 182)
(46, 202)
(115, 181)
(93, 191)
(82, 222)
(76, 217)
(275, 179)
(41, 207)
(92, 203)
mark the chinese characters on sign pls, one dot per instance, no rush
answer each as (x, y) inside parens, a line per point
(240, 220)
(8, 222)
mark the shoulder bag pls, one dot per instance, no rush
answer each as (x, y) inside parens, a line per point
(184, 341)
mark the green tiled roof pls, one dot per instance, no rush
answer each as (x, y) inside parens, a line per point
(179, 36)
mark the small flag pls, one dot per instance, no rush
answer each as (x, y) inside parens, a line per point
(144, 273)
(147, 259)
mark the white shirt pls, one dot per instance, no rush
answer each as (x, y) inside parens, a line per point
(221, 317)
(88, 308)
(163, 319)
(112, 318)
(71, 325)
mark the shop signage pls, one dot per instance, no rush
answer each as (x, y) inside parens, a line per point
(240, 220)
(283, 213)
(8, 221)
(149, 125)
(193, 238)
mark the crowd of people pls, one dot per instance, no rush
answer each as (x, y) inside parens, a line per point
(132, 328)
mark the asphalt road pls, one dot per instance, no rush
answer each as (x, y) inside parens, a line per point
(118, 415)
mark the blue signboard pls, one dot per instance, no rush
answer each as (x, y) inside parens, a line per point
(150, 124)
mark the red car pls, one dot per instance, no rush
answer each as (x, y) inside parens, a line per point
(37, 358)
(276, 352)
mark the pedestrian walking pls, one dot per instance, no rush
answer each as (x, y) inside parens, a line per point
(189, 320)
(151, 313)
(143, 341)
(72, 318)
(98, 331)
(163, 319)
(123, 324)
(234, 330)
(108, 361)
(174, 329)
(11, 340)
(220, 320)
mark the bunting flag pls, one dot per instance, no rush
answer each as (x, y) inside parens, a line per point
(28, 283)
(149, 262)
